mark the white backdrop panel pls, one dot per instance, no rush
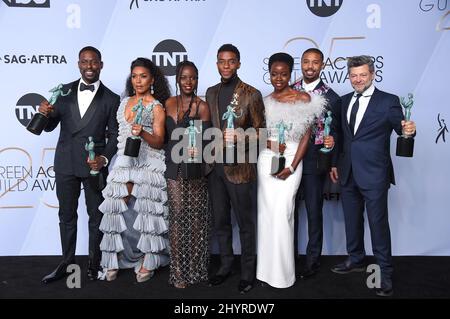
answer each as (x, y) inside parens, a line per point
(409, 40)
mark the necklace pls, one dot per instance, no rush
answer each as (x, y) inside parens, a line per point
(188, 111)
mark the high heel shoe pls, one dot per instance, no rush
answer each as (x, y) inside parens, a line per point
(144, 276)
(181, 285)
(111, 274)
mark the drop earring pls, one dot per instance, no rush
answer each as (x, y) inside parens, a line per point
(151, 90)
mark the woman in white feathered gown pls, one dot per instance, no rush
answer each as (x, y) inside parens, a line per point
(295, 111)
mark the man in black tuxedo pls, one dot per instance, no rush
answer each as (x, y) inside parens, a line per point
(365, 168)
(313, 177)
(89, 110)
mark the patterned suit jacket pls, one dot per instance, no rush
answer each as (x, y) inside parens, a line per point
(310, 161)
(252, 107)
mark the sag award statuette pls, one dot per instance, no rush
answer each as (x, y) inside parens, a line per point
(39, 120)
(191, 130)
(279, 161)
(133, 143)
(90, 145)
(230, 151)
(405, 143)
(96, 177)
(324, 158)
(192, 169)
(230, 115)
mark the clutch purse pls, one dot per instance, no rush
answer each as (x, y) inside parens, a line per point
(278, 164)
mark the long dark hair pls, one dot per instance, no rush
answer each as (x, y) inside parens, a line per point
(160, 85)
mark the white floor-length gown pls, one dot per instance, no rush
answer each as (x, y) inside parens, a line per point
(276, 197)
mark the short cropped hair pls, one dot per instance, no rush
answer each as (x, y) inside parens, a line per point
(313, 50)
(228, 47)
(282, 57)
(89, 48)
(355, 61)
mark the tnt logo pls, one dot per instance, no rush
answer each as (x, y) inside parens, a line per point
(324, 8)
(167, 54)
(28, 3)
(27, 106)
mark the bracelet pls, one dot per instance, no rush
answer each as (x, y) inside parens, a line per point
(106, 160)
(291, 169)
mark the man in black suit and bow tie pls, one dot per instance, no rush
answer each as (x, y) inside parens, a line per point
(89, 110)
(365, 168)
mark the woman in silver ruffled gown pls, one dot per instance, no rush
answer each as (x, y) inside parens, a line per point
(135, 220)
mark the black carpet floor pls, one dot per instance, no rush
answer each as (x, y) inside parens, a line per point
(415, 277)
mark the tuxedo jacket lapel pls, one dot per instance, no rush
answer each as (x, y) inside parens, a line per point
(90, 111)
(345, 105)
(241, 108)
(318, 86)
(214, 107)
(370, 107)
(73, 100)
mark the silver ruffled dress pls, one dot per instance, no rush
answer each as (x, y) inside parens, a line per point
(136, 234)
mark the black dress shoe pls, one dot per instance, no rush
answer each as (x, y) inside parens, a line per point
(93, 269)
(245, 286)
(57, 274)
(93, 273)
(218, 279)
(384, 292)
(308, 273)
(347, 267)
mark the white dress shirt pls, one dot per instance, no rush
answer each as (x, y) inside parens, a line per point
(309, 87)
(363, 103)
(85, 97)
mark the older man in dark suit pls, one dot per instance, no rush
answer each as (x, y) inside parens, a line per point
(89, 110)
(365, 168)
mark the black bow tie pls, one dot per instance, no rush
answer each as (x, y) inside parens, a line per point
(89, 87)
